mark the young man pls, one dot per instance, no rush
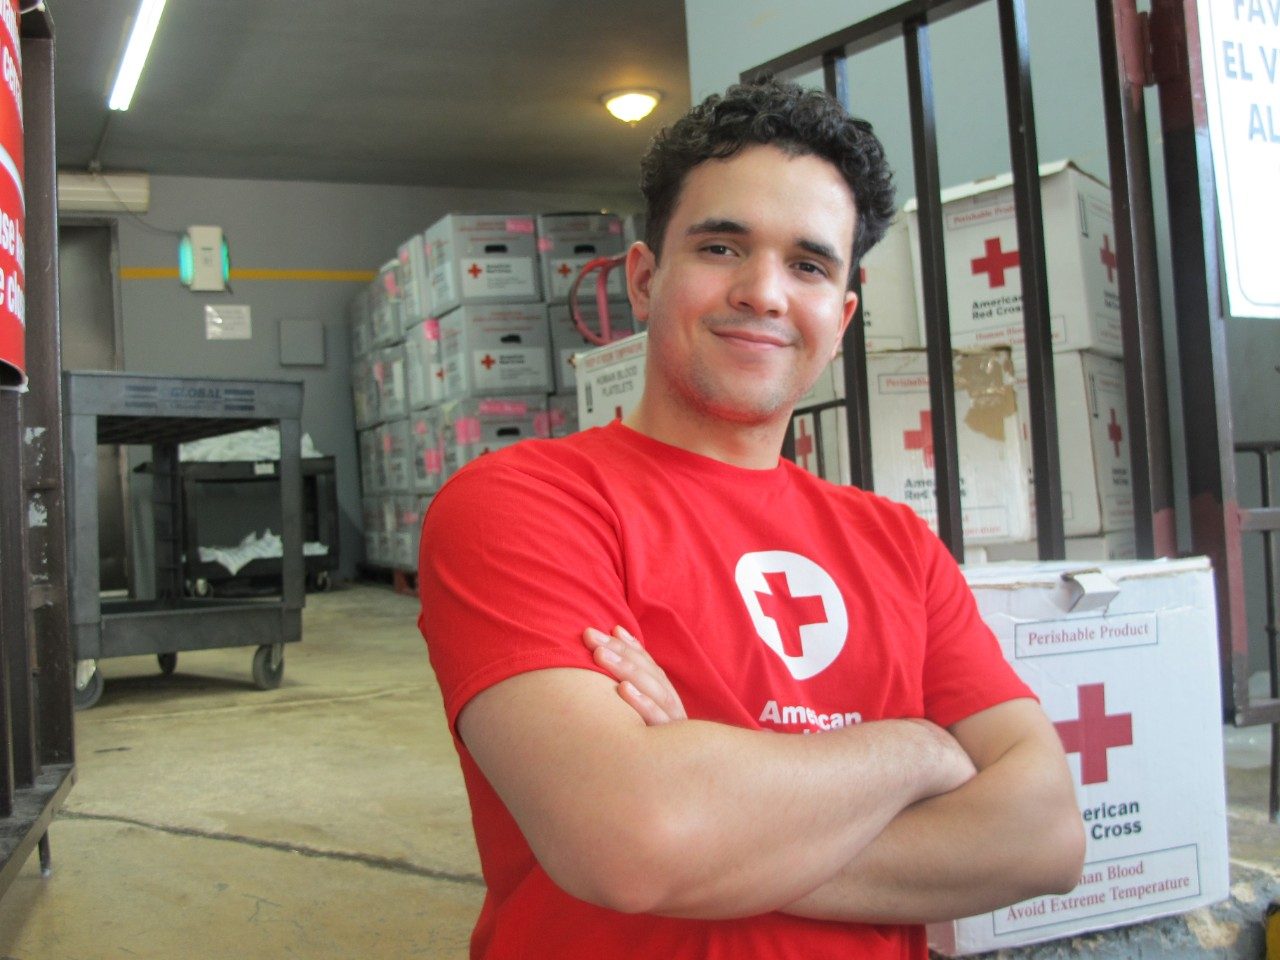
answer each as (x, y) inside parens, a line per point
(631, 793)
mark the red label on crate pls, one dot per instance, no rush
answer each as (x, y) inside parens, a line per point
(519, 225)
(433, 461)
(467, 430)
(510, 408)
(542, 425)
(420, 427)
(13, 319)
(545, 244)
(431, 329)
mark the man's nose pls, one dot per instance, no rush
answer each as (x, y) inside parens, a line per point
(760, 286)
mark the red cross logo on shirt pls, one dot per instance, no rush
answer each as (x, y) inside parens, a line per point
(790, 613)
(488, 362)
(1095, 732)
(994, 262)
(1108, 258)
(564, 269)
(475, 270)
(922, 439)
(804, 445)
(1114, 432)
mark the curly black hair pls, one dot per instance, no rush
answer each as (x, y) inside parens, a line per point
(785, 115)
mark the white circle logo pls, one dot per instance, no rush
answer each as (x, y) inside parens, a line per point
(796, 608)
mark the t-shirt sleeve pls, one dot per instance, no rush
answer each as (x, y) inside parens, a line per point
(965, 671)
(513, 567)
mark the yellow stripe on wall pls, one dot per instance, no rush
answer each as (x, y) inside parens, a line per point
(340, 276)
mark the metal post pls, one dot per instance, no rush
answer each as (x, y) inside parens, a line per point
(942, 397)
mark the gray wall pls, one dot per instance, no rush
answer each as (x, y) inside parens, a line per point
(286, 226)
(726, 37)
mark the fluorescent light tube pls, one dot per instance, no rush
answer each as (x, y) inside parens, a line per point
(135, 54)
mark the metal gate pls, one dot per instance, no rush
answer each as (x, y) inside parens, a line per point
(1138, 49)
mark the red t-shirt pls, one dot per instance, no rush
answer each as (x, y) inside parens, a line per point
(771, 598)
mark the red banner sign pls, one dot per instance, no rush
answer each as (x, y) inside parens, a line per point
(13, 304)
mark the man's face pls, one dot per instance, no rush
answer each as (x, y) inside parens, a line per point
(749, 301)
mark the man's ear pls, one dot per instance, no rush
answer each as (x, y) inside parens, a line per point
(641, 264)
(847, 311)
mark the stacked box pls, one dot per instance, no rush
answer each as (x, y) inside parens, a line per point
(480, 425)
(610, 380)
(424, 369)
(481, 259)
(562, 415)
(364, 395)
(387, 368)
(397, 456)
(359, 323)
(567, 340)
(426, 442)
(423, 504)
(415, 282)
(385, 306)
(993, 489)
(1116, 545)
(984, 282)
(568, 241)
(498, 350)
(889, 314)
(633, 229)
(406, 530)
(1124, 660)
(377, 546)
(373, 468)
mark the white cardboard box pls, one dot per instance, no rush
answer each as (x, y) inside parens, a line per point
(423, 364)
(1093, 442)
(1116, 545)
(397, 456)
(984, 282)
(568, 241)
(386, 326)
(476, 426)
(1127, 670)
(389, 388)
(567, 340)
(482, 259)
(426, 446)
(610, 380)
(415, 281)
(993, 488)
(562, 415)
(495, 350)
(889, 315)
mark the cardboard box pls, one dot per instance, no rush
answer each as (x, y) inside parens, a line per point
(481, 259)
(889, 315)
(397, 454)
(1124, 658)
(476, 426)
(562, 415)
(993, 489)
(359, 323)
(385, 306)
(568, 241)
(364, 393)
(373, 469)
(423, 365)
(406, 531)
(633, 229)
(426, 443)
(984, 282)
(496, 350)
(415, 281)
(387, 367)
(610, 380)
(376, 542)
(1093, 442)
(567, 340)
(1116, 545)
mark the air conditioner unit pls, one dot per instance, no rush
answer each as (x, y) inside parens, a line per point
(103, 192)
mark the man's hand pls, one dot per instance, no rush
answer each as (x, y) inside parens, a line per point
(641, 683)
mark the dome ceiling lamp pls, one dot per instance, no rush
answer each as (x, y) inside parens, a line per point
(631, 106)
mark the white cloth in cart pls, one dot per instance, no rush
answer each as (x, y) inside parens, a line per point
(254, 547)
(255, 445)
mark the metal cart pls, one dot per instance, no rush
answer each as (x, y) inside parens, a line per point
(163, 412)
(319, 523)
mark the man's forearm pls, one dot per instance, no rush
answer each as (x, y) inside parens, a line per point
(1010, 833)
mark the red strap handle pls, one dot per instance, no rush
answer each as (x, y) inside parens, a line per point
(605, 265)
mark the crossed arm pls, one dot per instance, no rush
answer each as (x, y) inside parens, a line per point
(629, 805)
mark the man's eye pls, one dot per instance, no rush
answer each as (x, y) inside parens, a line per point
(806, 266)
(719, 249)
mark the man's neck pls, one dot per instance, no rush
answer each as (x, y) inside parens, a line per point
(753, 446)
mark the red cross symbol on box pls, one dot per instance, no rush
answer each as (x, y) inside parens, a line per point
(921, 439)
(564, 269)
(439, 373)
(804, 444)
(1114, 433)
(994, 262)
(1095, 732)
(1108, 258)
(488, 362)
(475, 270)
(789, 613)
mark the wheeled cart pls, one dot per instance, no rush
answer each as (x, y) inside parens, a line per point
(243, 479)
(163, 412)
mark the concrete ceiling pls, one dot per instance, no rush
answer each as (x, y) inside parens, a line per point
(481, 93)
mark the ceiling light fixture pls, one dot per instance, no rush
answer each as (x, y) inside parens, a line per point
(135, 53)
(631, 106)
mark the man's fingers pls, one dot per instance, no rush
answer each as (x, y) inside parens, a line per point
(652, 714)
(622, 656)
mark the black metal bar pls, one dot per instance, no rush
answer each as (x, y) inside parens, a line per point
(868, 33)
(15, 647)
(1042, 413)
(1260, 520)
(942, 395)
(854, 348)
(10, 599)
(1202, 347)
(1269, 541)
(1123, 45)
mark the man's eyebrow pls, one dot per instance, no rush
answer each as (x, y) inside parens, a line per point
(717, 225)
(821, 250)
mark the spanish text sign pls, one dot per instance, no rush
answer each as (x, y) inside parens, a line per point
(1240, 47)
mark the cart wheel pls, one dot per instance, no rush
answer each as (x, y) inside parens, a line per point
(89, 689)
(202, 587)
(322, 581)
(168, 662)
(268, 666)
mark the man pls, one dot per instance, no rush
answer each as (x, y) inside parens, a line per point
(630, 791)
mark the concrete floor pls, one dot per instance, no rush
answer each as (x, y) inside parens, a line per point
(325, 819)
